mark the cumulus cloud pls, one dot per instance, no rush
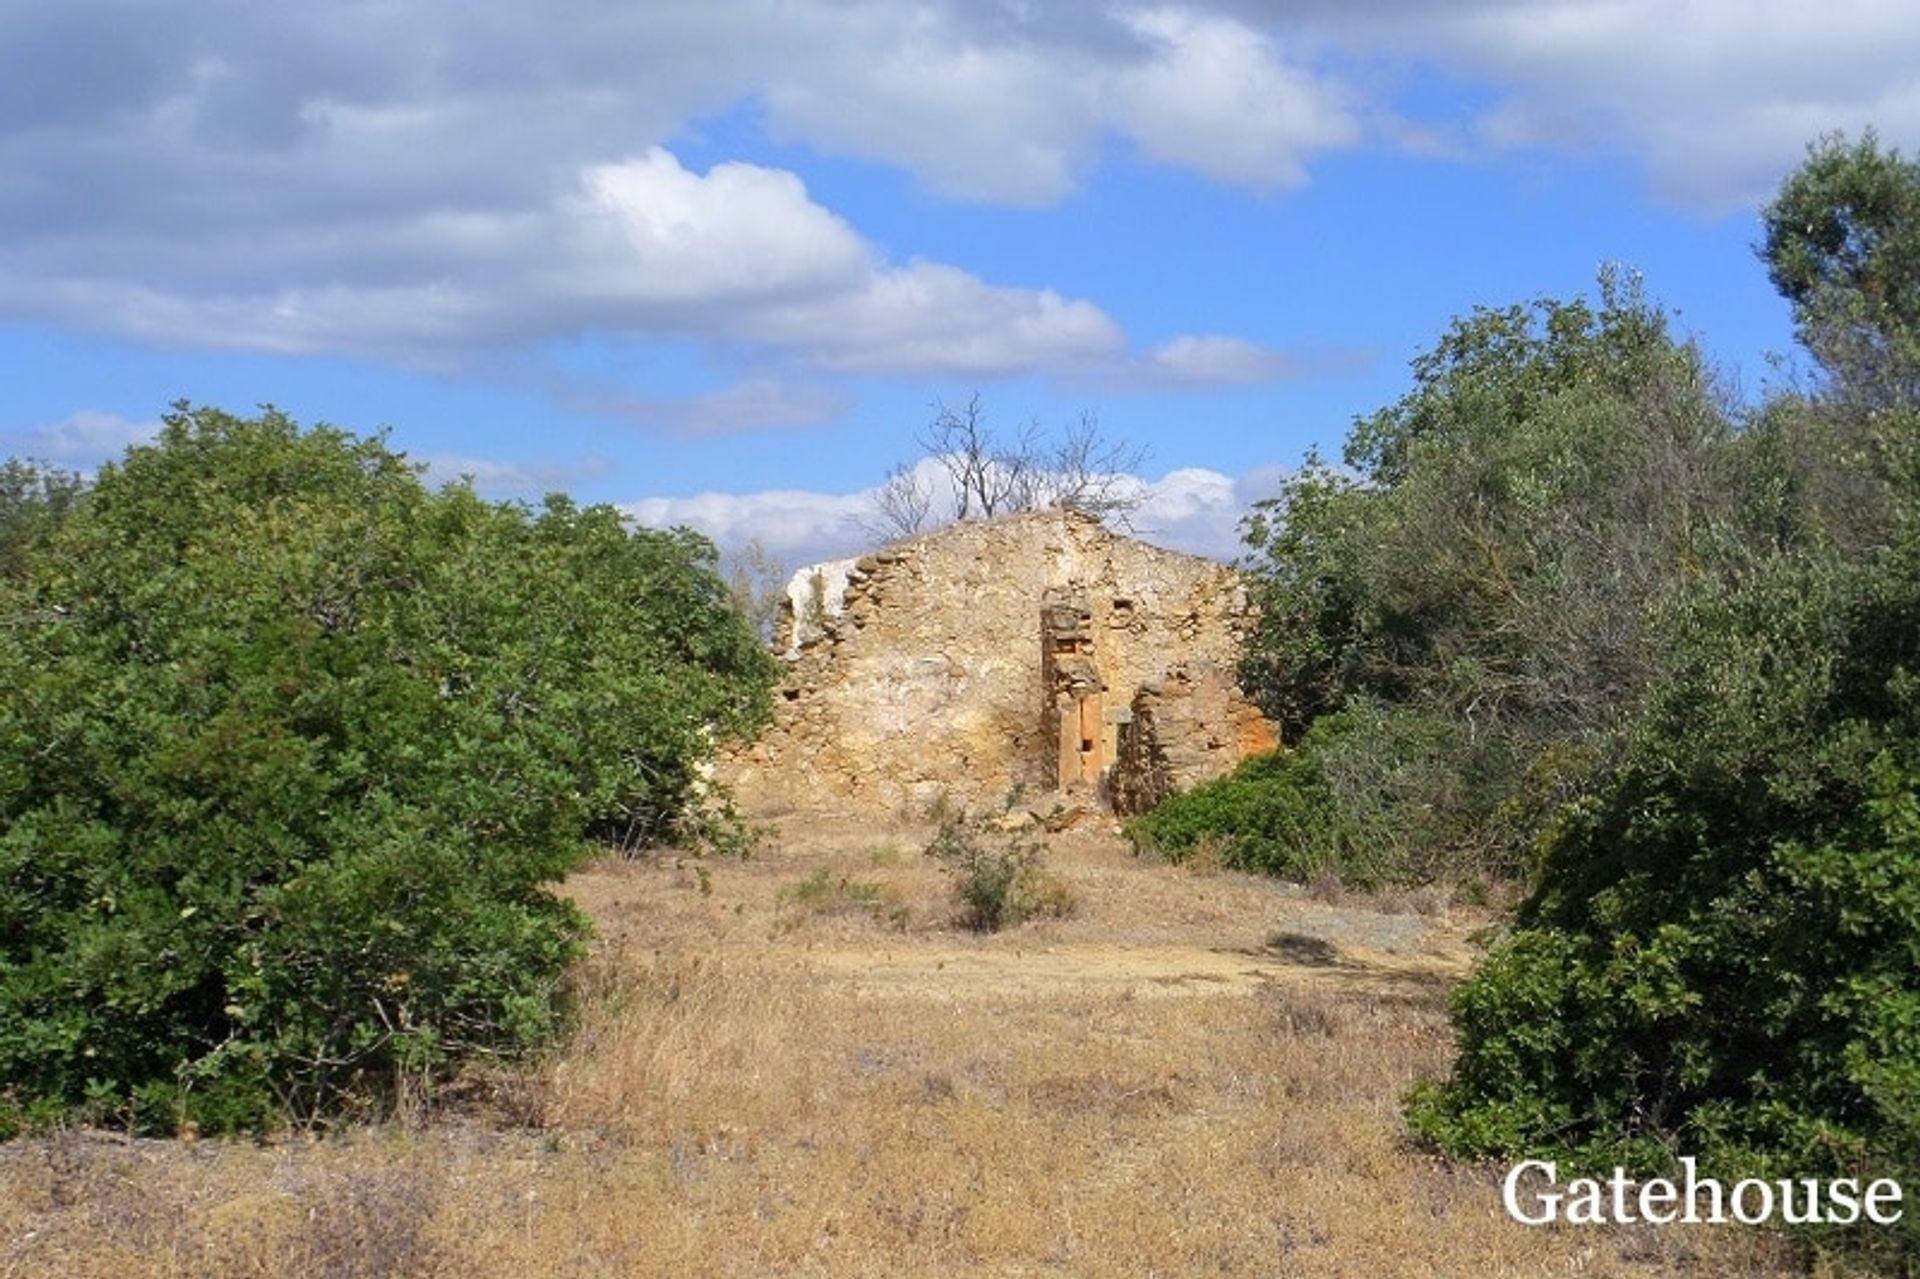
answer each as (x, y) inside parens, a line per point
(1193, 509)
(794, 526)
(1219, 359)
(1217, 96)
(434, 180)
(82, 440)
(1011, 102)
(644, 247)
(286, 121)
(1715, 98)
(650, 233)
(493, 477)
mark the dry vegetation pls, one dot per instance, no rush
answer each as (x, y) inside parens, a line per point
(795, 1065)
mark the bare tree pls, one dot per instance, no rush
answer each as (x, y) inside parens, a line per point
(1089, 473)
(988, 476)
(901, 506)
(757, 583)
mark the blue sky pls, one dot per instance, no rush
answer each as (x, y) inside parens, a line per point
(716, 261)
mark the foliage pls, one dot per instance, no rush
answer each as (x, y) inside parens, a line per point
(292, 749)
(999, 875)
(1843, 246)
(1312, 641)
(1485, 580)
(1369, 797)
(757, 585)
(1721, 954)
(33, 501)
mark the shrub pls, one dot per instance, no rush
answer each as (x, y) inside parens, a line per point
(291, 750)
(1373, 795)
(1490, 570)
(824, 893)
(1720, 956)
(999, 876)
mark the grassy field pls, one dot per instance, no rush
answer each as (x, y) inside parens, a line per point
(796, 1065)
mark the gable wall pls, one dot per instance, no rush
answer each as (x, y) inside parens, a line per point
(929, 679)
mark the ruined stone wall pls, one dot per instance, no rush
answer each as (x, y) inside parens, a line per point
(1004, 653)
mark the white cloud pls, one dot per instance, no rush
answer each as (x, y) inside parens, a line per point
(1220, 359)
(1716, 98)
(1011, 103)
(82, 440)
(434, 180)
(651, 233)
(794, 526)
(1193, 509)
(1218, 97)
(927, 317)
(493, 477)
(644, 247)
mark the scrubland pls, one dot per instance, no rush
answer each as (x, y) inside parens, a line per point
(797, 1065)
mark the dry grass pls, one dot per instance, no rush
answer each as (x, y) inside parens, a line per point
(1194, 1075)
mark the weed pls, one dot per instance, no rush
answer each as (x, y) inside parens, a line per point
(999, 876)
(824, 893)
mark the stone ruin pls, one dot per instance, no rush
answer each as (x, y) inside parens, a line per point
(1033, 654)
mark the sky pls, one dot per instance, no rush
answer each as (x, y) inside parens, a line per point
(719, 262)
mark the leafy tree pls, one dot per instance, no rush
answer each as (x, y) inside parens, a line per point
(1721, 953)
(291, 751)
(1843, 247)
(1494, 560)
(1314, 642)
(33, 501)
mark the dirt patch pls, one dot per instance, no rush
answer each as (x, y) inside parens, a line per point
(961, 972)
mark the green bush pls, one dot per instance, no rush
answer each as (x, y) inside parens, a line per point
(1371, 796)
(1265, 815)
(1484, 583)
(1722, 957)
(999, 876)
(292, 749)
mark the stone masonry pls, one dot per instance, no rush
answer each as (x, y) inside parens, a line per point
(1038, 651)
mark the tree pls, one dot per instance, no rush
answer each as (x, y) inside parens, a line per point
(903, 505)
(1718, 952)
(1718, 955)
(1843, 247)
(34, 500)
(1485, 575)
(1089, 473)
(987, 476)
(757, 585)
(291, 753)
